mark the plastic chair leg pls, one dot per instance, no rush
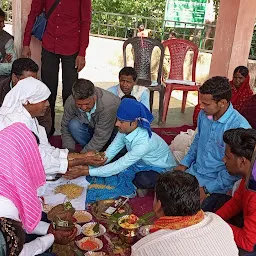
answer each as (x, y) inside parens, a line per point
(161, 106)
(184, 100)
(151, 99)
(167, 96)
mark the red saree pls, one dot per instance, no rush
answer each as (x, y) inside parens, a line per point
(242, 94)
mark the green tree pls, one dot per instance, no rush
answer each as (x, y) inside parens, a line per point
(144, 8)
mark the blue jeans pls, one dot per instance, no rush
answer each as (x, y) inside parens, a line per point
(80, 132)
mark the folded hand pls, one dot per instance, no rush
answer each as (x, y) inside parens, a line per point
(96, 160)
(76, 171)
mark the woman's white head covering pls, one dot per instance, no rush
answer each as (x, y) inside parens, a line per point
(27, 90)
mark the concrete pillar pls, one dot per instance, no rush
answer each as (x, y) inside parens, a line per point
(21, 10)
(233, 36)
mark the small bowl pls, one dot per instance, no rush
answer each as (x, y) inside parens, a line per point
(95, 254)
(98, 244)
(114, 228)
(131, 227)
(79, 229)
(82, 216)
(129, 236)
(102, 229)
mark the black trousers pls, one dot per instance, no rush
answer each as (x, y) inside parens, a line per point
(50, 75)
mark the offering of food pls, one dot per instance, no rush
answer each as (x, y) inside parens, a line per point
(61, 216)
(129, 222)
(71, 190)
(93, 229)
(117, 204)
(100, 207)
(82, 216)
(114, 228)
(118, 248)
(101, 155)
(89, 244)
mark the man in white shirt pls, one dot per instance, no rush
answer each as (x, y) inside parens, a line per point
(127, 86)
(182, 228)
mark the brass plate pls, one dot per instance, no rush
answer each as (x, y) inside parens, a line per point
(99, 207)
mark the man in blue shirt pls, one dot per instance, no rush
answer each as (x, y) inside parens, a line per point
(127, 86)
(148, 154)
(204, 159)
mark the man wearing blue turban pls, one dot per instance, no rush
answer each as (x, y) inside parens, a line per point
(147, 154)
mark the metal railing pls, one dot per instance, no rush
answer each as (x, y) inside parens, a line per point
(6, 6)
(252, 54)
(121, 26)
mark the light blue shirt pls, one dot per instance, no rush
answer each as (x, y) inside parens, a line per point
(5, 67)
(204, 158)
(141, 93)
(89, 114)
(142, 151)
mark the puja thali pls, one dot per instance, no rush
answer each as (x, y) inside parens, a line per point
(99, 207)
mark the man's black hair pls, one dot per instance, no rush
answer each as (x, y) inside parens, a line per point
(129, 96)
(178, 193)
(83, 89)
(128, 71)
(219, 87)
(241, 141)
(244, 71)
(23, 64)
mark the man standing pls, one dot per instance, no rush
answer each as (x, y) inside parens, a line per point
(65, 39)
(89, 117)
(23, 68)
(127, 86)
(204, 159)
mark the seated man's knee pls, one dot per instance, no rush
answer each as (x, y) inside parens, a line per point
(146, 179)
(74, 125)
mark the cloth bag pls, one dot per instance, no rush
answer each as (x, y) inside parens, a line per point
(41, 22)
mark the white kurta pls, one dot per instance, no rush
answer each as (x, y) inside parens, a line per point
(211, 237)
(31, 90)
(54, 159)
(37, 246)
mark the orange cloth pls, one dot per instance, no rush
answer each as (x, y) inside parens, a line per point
(177, 222)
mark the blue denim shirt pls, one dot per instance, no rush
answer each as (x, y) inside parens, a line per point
(204, 159)
(142, 151)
